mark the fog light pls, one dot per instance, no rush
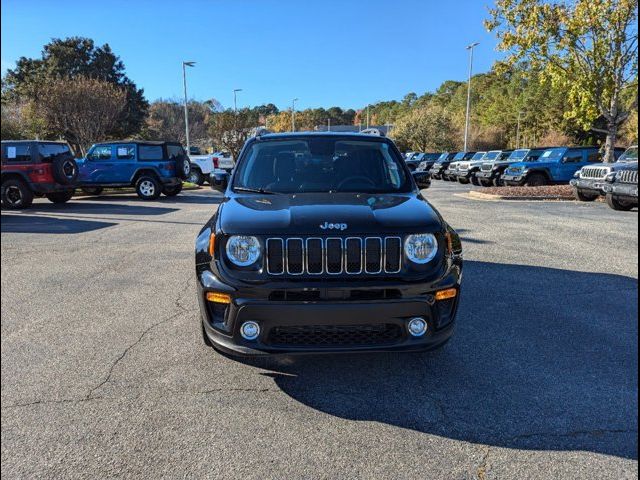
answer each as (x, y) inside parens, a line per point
(446, 294)
(250, 330)
(417, 326)
(218, 297)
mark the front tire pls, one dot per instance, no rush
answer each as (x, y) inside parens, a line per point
(536, 180)
(16, 194)
(584, 197)
(172, 191)
(148, 188)
(475, 181)
(60, 197)
(617, 204)
(463, 181)
(196, 177)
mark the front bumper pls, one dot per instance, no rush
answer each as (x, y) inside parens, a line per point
(590, 185)
(490, 175)
(373, 324)
(627, 191)
(514, 180)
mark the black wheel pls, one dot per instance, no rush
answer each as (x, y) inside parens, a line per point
(497, 182)
(463, 181)
(536, 180)
(196, 177)
(617, 204)
(148, 187)
(584, 197)
(60, 197)
(92, 190)
(16, 194)
(65, 170)
(172, 191)
(475, 181)
(485, 183)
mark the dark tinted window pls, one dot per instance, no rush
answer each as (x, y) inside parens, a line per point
(150, 152)
(175, 151)
(48, 151)
(322, 165)
(573, 156)
(16, 153)
(593, 156)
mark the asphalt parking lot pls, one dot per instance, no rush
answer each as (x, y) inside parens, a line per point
(104, 372)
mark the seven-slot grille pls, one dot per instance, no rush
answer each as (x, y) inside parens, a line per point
(333, 255)
(595, 173)
(628, 176)
(486, 167)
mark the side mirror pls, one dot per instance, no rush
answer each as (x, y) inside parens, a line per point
(219, 181)
(422, 179)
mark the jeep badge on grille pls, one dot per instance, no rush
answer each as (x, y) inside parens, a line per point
(333, 226)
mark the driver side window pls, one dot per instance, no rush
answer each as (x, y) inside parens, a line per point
(102, 152)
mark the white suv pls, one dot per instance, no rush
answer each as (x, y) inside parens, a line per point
(203, 165)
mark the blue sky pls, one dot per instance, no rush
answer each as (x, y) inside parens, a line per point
(329, 52)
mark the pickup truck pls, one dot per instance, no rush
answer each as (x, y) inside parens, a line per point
(203, 165)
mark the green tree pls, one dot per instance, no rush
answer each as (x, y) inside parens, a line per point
(427, 129)
(587, 47)
(165, 121)
(77, 57)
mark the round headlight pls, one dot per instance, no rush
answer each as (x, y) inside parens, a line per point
(243, 250)
(421, 248)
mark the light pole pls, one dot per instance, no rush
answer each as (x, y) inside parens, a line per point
(186, 110)
(328, 124)
(518, 129)
(466, 126)
(367, 116)
(235, 104)
(293, 114)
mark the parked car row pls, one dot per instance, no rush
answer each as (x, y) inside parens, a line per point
(582, 167)
(32, 168)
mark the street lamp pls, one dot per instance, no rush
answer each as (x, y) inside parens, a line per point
(466, 126)
(293, 114)
(235, 105)
(186, 111)
(518, 129)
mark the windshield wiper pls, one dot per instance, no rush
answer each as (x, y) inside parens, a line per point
(253, 190)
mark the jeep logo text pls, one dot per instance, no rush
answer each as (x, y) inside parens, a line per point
(333, 226)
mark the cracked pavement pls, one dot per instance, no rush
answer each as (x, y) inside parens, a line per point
(104, 373)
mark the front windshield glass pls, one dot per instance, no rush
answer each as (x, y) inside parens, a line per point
(321, 165)
(631, 155)
(459, 156)
(479, 156)
(442, 158)
(492, 155)
(518, 155)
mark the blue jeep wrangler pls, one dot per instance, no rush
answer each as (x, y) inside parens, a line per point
(555, 166)
(151, 167)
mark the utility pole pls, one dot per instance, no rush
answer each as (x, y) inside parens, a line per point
(467, 122)
(235, 104)
(186, 109)
(328, 124)
(367, 116)
(293, 114)
(518, 130)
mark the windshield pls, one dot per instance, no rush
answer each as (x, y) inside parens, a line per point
(321, 165)
(459, 156)
(631, 155)
(553, 153)
(479, 156)
(492, 155)
(443, 157)
(518, 155)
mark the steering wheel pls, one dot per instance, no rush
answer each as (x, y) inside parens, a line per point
(355, 177)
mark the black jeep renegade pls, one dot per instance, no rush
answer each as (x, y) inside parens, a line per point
(324, 243)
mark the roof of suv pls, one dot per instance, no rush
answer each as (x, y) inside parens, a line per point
(140, 142)
(36, 141)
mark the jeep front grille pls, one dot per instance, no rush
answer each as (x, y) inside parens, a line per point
(486, 167)
(594, 173)
(628, 176)
(333, 255)
(335, 335)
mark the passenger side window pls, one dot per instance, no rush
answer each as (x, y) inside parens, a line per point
(101, 152)
(16, 153)
(593, 156)
(125, 152)
(150, 152)
(573, 157)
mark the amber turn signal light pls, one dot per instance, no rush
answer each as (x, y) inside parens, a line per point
(217, 297)
(446, 294)
(212, 244)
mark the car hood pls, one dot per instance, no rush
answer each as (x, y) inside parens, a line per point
(354, 213)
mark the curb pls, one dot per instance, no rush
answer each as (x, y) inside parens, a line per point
(487, 196)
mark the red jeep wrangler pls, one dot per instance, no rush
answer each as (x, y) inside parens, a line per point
(36, 168)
